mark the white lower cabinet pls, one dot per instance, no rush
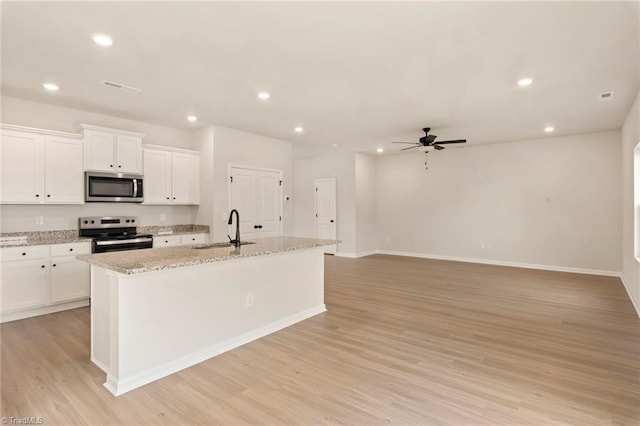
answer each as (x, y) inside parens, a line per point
(24, 284)
(193, 239)
(69, 279)
(166, 241)
(178, 240)
(37, 280)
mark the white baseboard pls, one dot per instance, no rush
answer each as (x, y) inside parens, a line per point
(356, 255)
(13, 316)
(636, 303)
(506, 263)
(118, 387)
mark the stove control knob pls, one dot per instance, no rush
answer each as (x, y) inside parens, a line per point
(86, 221)
(127, 221)
(133, 220)
(93, 221)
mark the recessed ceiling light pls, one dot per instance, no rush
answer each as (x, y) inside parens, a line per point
(102, 39)
(52, 87)
(192, 118)
(525, 81)
(380, 150)
(299, 129)
(264, 96)
(549, 129)
(334, 145)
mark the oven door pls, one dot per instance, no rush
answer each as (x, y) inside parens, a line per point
(104, 246)
(113, 187)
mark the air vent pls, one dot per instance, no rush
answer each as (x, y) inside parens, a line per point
(119, 86)
(605, 96)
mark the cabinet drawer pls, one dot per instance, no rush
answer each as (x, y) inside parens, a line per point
(166, 241)
(193, 239)
(70, 249)
(20, 253)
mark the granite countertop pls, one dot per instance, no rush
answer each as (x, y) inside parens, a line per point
(40, 238)
(162, 231)
(148, 260)
(63, 236)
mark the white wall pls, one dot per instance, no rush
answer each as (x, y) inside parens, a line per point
(203, 142)
(232, 146)
(340, 165)
(365, 176)
(553, 202)
(33, 114)
(630, 266)
(53, 117)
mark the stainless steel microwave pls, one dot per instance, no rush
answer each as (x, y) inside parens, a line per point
(113, 187)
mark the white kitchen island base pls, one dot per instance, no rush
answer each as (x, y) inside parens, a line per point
(145, 326)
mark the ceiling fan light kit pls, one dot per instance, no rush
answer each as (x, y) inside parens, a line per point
(429, 141)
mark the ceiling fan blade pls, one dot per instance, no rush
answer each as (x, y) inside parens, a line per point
(439, 148)
(455, 141)
(411, 147)
(410, 143)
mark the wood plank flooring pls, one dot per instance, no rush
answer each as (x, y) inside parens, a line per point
(405, 341)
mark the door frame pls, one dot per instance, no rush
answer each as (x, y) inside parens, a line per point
(231, 166)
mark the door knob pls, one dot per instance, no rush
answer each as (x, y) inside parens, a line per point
(331, 220)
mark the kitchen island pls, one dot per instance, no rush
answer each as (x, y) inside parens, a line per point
(157, 311)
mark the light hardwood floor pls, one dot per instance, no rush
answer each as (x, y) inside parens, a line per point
(405, 341)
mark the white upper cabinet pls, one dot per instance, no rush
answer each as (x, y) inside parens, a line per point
(185, 178)
(129, 154)
(171, 176)
(63, 170)
(157, 176)
(112, 150)
(22, 167)
(39, 166)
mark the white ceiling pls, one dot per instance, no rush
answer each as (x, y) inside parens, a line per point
(357, 74)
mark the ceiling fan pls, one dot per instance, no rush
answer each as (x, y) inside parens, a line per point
(429, 140)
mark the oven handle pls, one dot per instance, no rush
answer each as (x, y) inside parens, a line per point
(124, 242)
(135, 187)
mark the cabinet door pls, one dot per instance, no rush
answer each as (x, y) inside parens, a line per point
(23, 284)
(64, 179)
(129, 154)
(269, 204)
(100, 151)
(21, 167)
(157, 176)
(185, 178)
(70, 279)
(244, 198)
(166, 241)
(193, 239)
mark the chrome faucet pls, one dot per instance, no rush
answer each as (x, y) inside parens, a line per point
(235, 242)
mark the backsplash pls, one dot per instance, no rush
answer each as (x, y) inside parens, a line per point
(22, 218)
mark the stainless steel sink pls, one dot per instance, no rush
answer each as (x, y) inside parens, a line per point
(218, 245)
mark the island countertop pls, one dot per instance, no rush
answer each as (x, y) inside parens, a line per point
(157, 259)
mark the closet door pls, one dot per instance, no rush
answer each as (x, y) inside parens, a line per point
(269, 204)
(244, 198)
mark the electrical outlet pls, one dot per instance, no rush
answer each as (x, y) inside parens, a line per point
(39, 220)
(249, 300)
(163, 217)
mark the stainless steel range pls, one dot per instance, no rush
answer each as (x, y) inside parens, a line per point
(114, 233)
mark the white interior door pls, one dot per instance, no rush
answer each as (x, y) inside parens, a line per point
(269, 204)
(325, 206)
(244, 198)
